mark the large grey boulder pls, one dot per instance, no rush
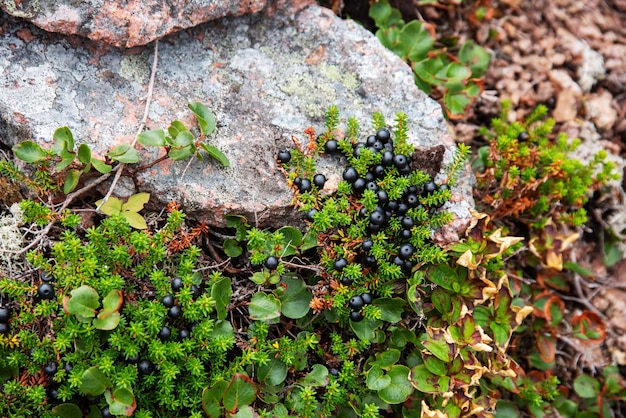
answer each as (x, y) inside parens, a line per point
(130, 23)
(266, 78)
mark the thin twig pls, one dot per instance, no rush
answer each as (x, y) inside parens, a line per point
(68, 200)
(143, 120)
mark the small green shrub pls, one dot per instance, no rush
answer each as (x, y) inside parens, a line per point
(455, 79)
(359, 314)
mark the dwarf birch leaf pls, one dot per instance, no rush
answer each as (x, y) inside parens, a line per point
(240, 392)
(135, 220)
(206, 118)
(29, 152)
(111, 207)
(216, 153)
(135, 202)
(71, 180)
(155, 138)
(101, 166)
(94, 382)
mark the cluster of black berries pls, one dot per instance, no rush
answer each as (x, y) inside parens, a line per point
(377, 219)
(174, 311)
(356, 303)
(304, 185)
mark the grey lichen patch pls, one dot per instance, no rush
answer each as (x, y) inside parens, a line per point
(37, 92)
(135, 68)
(10, 235)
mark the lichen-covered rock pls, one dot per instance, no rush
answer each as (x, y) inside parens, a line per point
(266, 79)
(131, 23)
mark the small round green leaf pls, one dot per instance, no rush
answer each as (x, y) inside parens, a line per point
(399, 389)
(264, 307)
(273, 373)
(240, 392)
(586, 386)
(94, 382)
(377, 379)
(67, 410)
(296, 299)
(29, 152)
(206, 118)
(155, 138)
(232, 248)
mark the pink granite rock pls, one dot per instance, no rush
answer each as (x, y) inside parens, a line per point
(130, 23)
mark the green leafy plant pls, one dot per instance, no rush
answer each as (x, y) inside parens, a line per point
(358, 314)
(455, 79)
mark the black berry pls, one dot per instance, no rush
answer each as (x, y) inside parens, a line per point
(184, 333)
(5, 314)
(430, 187)
(350, 175)
(106, 413)
(53, 394)
(407, 222)
(305, 186)
(340, 264)
(311, 214)
(356, 302)
(164, 333)
(319, 180)
(333, 371)
(370, 140)
(45, 277)
(174, 312)
(50, 368)
(359, 185)
(331, 146)
(406, 234)
(145, 367)
(346, 281)
(4, 328)
(167, 301)
(177, 284)
(383, 197)
(195, 291)
(271, 262)
(367, 298)
(523, 136)
(367, 244)
(400, 161)
(444, 186)
(358, 148)
(377, 218)
(411, 200)
(378, 171)
(383, 135)
(284, 156)
(356, 316)
(406, 251)
(372, 186)
(387, 160)
(45, 291)
(370, 261)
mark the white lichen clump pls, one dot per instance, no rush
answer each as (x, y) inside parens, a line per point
(10, 235)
